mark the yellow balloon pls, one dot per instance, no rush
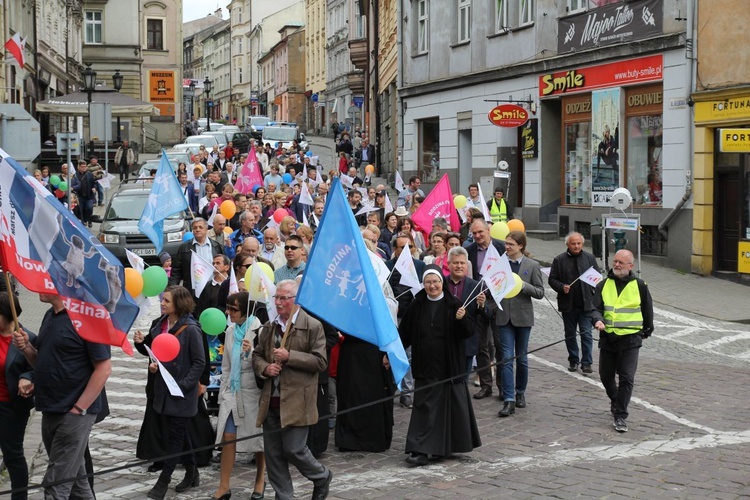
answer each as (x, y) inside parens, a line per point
(133, 282)
(499, 231)
(228, 230)
(228, 209)
(516, 225)
(516, 288)
(370, 169)
(253, 283)
(460, 201)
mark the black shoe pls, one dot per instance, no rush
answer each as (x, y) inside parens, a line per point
(321, 492)
(258, 495)
(191, 479)
(156, 467)
(509, 408)
(586, 369)
(483, 393)
(520, 401)
(159, 490)
(91, 225)
(417, 459)
(227, 496)
(406, 403)
(621, 425)
(572, 367)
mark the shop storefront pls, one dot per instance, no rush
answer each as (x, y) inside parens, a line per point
(721, 231)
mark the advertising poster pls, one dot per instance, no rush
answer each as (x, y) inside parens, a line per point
(162, 94)
(605, 144)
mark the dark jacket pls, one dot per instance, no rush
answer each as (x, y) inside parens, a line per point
(82, 184)
(16, 368)
(404, 297)
(472, 250)
(611, 341)
(566, 268)
(471, 290)
(181, 264)
(192, 198)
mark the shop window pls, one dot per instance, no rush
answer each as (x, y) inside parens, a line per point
(429, 149)
(577, 163)
(652, 241)
(645, 159)
(584, 228)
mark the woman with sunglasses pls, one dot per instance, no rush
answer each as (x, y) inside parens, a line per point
(239, 396)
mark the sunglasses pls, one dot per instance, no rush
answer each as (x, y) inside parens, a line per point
(291, 247)
(233, 309)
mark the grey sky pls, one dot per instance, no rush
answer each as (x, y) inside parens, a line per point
(195, 9)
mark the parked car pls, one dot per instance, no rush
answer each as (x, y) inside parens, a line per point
(179, 156)
(119, 231)
(221, 137)
(240, 140)
(284, 134)
(149, 165)
(202, 123)
(190, 149)
(209, 141)
(255, 125)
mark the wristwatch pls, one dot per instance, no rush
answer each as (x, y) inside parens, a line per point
(82, 411)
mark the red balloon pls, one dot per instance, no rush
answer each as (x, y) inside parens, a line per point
(59, 193)
(279, 214)
(165, 347)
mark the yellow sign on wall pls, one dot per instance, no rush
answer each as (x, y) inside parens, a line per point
(743, 257)
(734, 140)
(726, 110)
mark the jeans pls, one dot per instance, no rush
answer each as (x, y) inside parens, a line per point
(12, 430)
(65, 437)
(623, 363)
(484, 326)
(100, 193)
(580, 319)
(514, 340)
(85, 209)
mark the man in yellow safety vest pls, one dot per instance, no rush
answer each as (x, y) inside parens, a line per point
(500, 209)
(624, 316)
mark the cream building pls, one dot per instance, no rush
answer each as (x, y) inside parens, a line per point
(315, 73)
(241, 25)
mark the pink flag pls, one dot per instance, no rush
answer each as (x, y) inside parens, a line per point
(439, 203)
(249, 175)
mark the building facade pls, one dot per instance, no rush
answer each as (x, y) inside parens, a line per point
(239, 17)
(338, 64)
(216, 64)
(602, 88)
(289, 75)
(192, 62)
(315, 62)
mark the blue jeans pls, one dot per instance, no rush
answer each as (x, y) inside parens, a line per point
(514, 340)
(580, 319)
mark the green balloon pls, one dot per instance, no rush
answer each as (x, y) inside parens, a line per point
(213, 321)
(62, 186)
(154, 281)
(55, 180)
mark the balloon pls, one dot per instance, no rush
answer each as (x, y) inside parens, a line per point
(228, 230)
(154, 281)
(165, 347)
(133, 282)
(213, 321)
(279, 214)
(55, 180)
(516, 225)
(308, 153)
(460, 201)
(63, 186)
(59, 193)
(499, 230)
(516, 288)
(228, 208)
(287, 178)
(253, 284)
(370, 169)
(187, 236)
(256, 188)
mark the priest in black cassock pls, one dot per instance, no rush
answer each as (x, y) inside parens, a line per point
(442, 420)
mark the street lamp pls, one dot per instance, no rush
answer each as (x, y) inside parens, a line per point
(192, 98)
(117, 79)
(89, 84)
(207, 90)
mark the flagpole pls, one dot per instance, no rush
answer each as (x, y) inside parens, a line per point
(12, 301)
(402, 294)
(475, 287)
(481, 291)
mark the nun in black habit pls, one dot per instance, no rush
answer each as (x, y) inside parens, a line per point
(442, 420)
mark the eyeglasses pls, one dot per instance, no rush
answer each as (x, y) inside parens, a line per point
(233, 309)
(282, 298)
(291, 247)
(432, 283)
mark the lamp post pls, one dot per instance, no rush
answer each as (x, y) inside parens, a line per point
(89, 84)
(207, 90)
(117, 79)
(192, 97)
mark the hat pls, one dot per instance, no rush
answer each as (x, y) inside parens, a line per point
(432, 269)
(164, 256)
(401, 212)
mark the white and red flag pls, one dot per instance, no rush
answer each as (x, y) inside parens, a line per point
(15, 45)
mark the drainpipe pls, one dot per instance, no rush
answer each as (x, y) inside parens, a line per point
(691, 75)
(399, 84)
(376, 83)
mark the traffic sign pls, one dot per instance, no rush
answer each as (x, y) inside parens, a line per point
(210, 103)
(314, 98)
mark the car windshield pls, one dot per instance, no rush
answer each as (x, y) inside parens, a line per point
(129, 207)
(208, 141)
(279, 134)
(259, 120)
(178, 158)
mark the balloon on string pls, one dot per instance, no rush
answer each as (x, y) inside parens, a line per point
(228, 230)
(253, 283)
(499, 230)
(228, 208)
(287, 178)
(308, 153)
(59, 193)
(279, 214)
(370, 169)
(256, 188)
(516, 288)
(63, 186)
(213, 321)
(133, 282)
(460, 201)
(55, 180)
(516, 225)
(154, 281)
(165, 347)
(188, 236)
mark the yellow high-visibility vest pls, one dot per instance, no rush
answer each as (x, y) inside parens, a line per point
(622, 313)
(499, 214)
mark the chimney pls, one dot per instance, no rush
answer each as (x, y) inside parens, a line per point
(217, 13)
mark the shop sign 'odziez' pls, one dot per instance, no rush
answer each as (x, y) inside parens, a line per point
(508, 115)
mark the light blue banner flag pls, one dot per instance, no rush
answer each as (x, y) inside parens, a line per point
(166, 198)
(339, 284)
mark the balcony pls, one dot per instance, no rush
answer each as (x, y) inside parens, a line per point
(358, 53)
(356, 81)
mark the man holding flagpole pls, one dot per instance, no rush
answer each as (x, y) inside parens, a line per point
(200, 244)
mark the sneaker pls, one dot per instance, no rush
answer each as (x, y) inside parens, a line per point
(573, 366)
(586, 369)
(621, 425)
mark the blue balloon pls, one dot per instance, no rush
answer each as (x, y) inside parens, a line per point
(188, 236)
(308, 153)
(256, 188)
(287, 178)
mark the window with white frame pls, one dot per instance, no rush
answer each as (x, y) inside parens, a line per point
(464, 21)
(360, 23)
(239, 14)
(423, 26)
(576, 5)
(527, 12)
(155, 34)
(501, 16)
(93, 25)
(239, 75)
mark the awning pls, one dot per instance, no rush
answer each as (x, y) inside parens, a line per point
(76, 104)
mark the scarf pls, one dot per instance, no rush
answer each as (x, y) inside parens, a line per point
(235, 373)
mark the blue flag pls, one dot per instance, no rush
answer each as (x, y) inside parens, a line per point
(340, 286)
(166, 198)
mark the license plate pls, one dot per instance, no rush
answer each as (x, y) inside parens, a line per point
(144, 251)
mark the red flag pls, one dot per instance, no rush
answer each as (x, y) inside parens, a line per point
(15, 46)
(439, 203)
(250, 174)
